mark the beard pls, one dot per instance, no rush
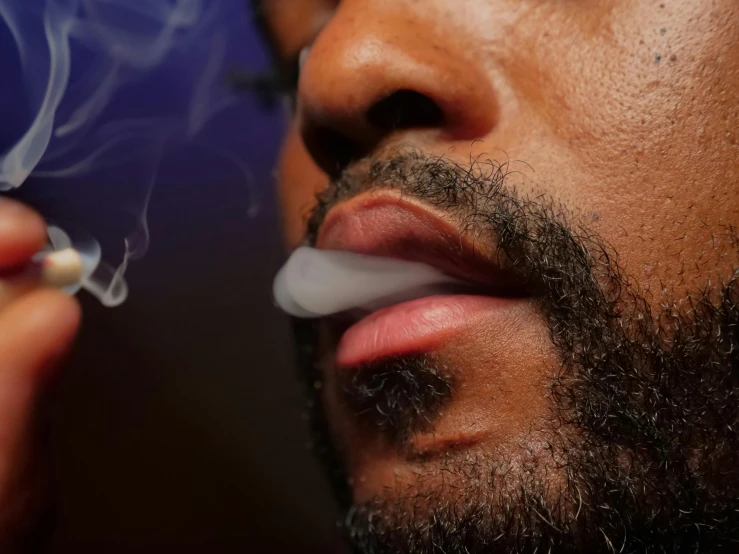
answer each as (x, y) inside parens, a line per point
(644, 395)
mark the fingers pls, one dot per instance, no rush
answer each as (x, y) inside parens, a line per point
(22, 233)
(35, 331)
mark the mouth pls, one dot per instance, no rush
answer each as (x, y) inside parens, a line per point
(487, 342)
(388, 224)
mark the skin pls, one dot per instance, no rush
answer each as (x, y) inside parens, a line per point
(625, 113)
(35, 332)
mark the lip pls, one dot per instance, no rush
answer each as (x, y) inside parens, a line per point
(384, 223)
(387, 223)
(412, 327)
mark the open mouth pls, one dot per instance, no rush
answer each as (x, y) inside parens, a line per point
(384, 223)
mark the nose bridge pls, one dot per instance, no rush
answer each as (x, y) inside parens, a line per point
(370, 52)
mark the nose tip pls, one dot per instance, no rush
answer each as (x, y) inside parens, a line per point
(367, 78)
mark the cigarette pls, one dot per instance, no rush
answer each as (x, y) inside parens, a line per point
(54, 270)
(61, 269)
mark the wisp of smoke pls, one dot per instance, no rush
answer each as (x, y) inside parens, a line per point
(74, 60)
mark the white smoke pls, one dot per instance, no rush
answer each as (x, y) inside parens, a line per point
(116, 42)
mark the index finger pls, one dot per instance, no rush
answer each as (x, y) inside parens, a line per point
(22, 233)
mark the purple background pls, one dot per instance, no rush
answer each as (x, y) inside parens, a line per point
(177, 425)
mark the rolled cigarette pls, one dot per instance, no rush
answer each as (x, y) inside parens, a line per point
(56, 270)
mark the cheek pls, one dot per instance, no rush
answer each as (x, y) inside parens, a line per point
(649, 134)
(299, 180)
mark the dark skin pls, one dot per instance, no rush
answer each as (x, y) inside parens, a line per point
(625, 113)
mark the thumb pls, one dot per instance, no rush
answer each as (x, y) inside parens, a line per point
(35, 331)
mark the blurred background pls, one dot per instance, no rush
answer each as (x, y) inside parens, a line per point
(177, 425)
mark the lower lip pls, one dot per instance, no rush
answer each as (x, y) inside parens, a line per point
(414, 327)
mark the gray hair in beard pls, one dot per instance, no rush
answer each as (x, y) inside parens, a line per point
(644, 400)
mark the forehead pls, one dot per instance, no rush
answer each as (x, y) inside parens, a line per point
(294, 23)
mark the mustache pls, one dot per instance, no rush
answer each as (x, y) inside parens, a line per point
(539, 240)
(434, 179)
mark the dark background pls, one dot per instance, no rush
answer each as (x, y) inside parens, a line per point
(179, 418)
(177, 425)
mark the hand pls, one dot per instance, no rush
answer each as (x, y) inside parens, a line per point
(36, 330)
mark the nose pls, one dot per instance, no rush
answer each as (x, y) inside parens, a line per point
(372, 73)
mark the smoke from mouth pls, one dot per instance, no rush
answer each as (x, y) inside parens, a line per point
(76, 75)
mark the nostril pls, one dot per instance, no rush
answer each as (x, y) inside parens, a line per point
(335, 147)
(334, 151)
(405, 109)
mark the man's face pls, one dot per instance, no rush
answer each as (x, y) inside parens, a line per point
(580, 161)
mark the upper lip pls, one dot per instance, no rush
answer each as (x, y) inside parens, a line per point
(386, 223)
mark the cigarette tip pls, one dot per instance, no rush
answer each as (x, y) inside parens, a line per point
(62, 268)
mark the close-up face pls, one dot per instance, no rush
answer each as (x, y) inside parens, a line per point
(575, 163)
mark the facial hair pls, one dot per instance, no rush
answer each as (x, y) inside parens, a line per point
(644, 398)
